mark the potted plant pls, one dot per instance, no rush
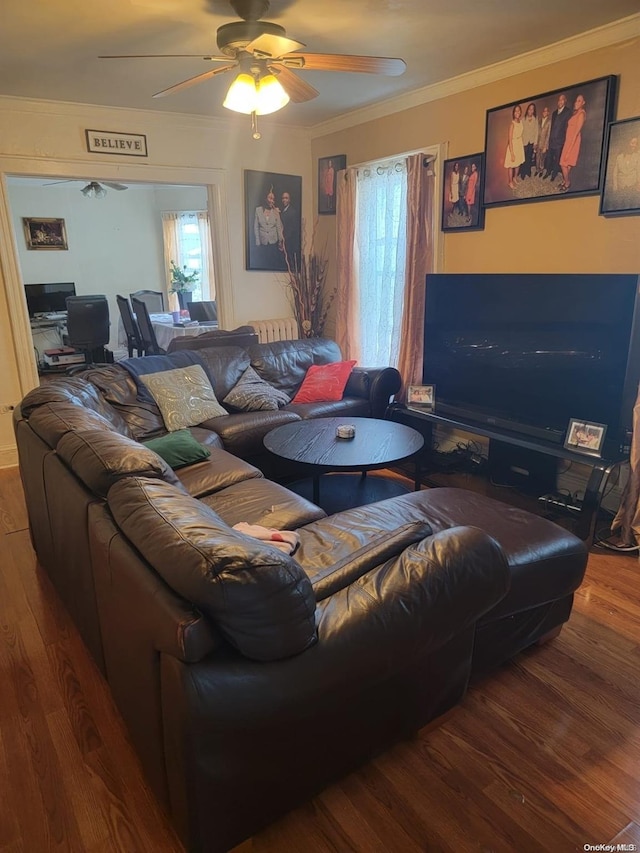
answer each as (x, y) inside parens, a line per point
(182, 281)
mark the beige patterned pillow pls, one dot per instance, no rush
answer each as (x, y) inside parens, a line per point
(184, 396)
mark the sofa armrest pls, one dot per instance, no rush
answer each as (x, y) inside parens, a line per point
(377, 384)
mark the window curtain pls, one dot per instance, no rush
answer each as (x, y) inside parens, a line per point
(170, 225)
(208, 285)
(347, 295)
(420, 261)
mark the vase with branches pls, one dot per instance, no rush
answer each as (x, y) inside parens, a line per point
(306, 285)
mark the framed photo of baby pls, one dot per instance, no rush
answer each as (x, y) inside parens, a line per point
(462, 208)
(273, 220)
(548, 146)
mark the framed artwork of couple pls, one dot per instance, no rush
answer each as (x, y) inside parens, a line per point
(548, 146)
(328, 168)
(273, 220)
(462, 208)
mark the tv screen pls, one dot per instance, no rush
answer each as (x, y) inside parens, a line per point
(48, 298)
(528, 352)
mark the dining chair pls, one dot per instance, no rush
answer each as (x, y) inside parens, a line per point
(130, 325)
(153, 299)
(147, 333)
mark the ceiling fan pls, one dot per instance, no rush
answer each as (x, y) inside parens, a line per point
(93, 189)
(265, 56)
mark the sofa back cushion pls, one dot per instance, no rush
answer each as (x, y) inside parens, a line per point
(284, 364)
(119, 389)
(225, 365)
(76, 391)
(100, 458)
(259, 598)
(54, 420)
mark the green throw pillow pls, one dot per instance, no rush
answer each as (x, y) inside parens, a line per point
(178, 448)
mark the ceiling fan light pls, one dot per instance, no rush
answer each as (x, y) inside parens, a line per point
(241, 97)
(93, 190)
(270, 96)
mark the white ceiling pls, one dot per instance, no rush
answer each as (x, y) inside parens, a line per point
(49, 48)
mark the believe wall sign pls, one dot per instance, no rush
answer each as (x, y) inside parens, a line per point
(110, 142)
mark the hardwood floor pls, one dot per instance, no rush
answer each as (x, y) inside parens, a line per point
(542, 756)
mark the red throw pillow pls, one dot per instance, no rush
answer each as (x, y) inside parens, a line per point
(324, 383)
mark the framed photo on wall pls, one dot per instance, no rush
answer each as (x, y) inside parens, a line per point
(621, 190)
(548, 146)
(273, 220)
(44, 233)
(328, 168)
(462, 188)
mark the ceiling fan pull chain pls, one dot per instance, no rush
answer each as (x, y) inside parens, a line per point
(254, 126)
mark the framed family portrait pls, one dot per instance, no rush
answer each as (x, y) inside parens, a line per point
(273, 220)
(462, 188)
(548, 146)
(328, 168)
(585, 437)
(44, 233)
(621, 189)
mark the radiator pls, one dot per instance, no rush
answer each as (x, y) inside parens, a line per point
(283, 329)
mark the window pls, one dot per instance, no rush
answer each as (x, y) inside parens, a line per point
(187, 242)
(381, 236)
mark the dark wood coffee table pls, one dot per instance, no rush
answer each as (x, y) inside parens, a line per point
(314, 444)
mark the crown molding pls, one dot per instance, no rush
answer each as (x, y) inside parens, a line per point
(618, 31)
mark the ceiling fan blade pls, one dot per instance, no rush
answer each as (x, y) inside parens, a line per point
(297, 88)
(168, 56)
(114, 186)
(68, 181)
(192, 81)
(270, 46)
(345, 62)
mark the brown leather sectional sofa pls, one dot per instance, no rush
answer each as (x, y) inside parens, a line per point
(250, 679)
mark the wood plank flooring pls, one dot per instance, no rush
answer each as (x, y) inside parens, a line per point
(542, 756)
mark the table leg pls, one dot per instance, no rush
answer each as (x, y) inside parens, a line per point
(316, 489)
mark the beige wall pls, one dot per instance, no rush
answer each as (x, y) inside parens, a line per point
(566, 235)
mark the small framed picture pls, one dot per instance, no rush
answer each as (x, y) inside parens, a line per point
(462, 208)
(44, 233)
(621, 191)
(328, 168)
(585, 437)
(421, 397)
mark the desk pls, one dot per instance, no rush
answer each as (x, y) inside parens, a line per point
(47, 333)
(165, 330)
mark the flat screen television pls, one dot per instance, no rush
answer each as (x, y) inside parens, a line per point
(48, 298)
(528, 352)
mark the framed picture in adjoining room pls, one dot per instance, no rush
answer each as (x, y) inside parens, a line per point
(44, 233)
(621, 189)
(548, 146)
(273, 220)
(584, 437)
(462, 208)
(328, 168)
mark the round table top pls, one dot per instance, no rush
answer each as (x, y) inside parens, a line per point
(377, 443)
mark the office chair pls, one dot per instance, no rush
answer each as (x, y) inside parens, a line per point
(203, 312)
(147, 334)
(88, 328)
(153, 299)
(134, 341)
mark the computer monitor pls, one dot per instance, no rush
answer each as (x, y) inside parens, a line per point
(48, 298)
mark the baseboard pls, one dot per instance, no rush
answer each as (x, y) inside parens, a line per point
(8, 456)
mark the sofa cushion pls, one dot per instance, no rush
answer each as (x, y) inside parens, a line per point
(53, 420)
(119, 389)
(184, 396)
(284, 364)
(178, 448)
(101, 458)
(324, 382)
(242, 433)
(216, 474)
(225, 366)
(253, 394)
(259, 598)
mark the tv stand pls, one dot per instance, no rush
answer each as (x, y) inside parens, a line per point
(583, 514)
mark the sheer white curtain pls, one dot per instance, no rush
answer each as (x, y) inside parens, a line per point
(170, 238)
(187, 242)
(381, 238)
(208, 286)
